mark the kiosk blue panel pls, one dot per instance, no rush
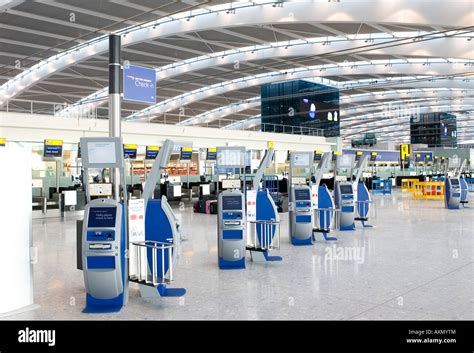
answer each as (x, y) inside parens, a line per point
(157, 228)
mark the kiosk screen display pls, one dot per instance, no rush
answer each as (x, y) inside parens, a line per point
(346, 189)
(102, 217)
(130, 151)
(455, 182)
(231, 203)
(302, 195)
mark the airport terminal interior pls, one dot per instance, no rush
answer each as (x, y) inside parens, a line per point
(236, 160)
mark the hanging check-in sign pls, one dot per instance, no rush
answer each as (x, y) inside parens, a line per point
(139, 84)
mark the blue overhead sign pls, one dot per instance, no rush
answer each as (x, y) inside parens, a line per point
(139, 84)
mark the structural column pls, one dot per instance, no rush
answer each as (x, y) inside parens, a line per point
(115, 90)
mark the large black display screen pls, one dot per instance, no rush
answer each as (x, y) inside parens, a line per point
(302, 195)
(230, 203)
(302, 104)
(102, 217)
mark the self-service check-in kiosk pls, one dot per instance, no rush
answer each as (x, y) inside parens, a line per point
(344, 197)
(452, 193)
(231, 216)
(231, 240)
(104, 241)
(300, 209)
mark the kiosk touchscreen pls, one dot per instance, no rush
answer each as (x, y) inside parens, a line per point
(302, 216)
(231, 229)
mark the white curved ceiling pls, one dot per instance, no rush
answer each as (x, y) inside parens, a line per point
(372, 50)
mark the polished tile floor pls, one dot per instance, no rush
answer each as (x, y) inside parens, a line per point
(416, 263)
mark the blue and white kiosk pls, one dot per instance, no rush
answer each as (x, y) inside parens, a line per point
(104, 237)
(452, 184)
(363, 199)
(262, 217)
(231, 222)
(322, 200)
(300, 208)
(156, 256)
(464, 185)
(344, 194)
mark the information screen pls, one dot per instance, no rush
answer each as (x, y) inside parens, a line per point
(152, 152)
(102, 217)
(53, 148)
(302, 195)
(130, 151)
(300, 159)
(373, 156)
(211, 154)
(186, 153)
(101, 152)
(346, 189)
(230, 203)
(317, 156)
(228, 157)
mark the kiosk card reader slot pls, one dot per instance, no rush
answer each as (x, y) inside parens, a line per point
(231, 230)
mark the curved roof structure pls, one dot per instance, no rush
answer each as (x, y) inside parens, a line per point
(211, 57)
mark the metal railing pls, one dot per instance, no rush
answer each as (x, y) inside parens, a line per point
(326, 218)
(94, 112)
(158, 251)
(269, 238)
(367, 207)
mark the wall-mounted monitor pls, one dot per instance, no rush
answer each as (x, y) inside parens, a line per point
(130, 151)
(152, 152)
(53, 148)
(186, 154)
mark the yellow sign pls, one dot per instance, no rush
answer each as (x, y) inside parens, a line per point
(153, 148)
(270, 144)
(187, 149)
(3, 141)
(374, 153)
(337, 152)
(212, 149)
(318, 152)
(404, 151)
(130, 146)
(53, 142)
(360, 153)
(418, 155)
